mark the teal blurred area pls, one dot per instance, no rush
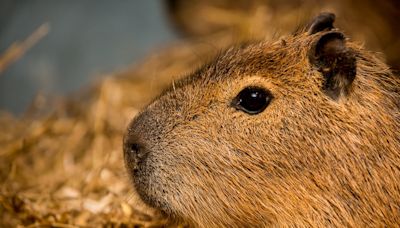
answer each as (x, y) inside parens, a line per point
(87, 40)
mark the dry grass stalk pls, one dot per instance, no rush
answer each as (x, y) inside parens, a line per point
(18, 49)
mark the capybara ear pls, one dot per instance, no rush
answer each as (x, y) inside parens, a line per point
(335, 61)
(322, 22)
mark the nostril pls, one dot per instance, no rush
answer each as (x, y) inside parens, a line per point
(134, 148)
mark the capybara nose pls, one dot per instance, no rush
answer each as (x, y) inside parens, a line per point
(134, 149)
(134, 153)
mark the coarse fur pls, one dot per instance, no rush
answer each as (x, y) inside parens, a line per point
(306, 160)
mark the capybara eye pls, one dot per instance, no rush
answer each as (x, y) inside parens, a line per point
(252, 100)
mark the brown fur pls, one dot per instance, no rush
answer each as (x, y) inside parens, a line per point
(307, 160)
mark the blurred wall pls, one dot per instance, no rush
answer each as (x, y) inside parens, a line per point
(87, 39)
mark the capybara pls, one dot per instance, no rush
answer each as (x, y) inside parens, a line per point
(302, 131)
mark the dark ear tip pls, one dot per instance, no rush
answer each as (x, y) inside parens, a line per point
(324, 21)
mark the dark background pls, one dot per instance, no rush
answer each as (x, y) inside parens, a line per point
(87, 40)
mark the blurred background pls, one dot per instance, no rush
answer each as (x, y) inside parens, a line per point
(90, 39)
(86, 41)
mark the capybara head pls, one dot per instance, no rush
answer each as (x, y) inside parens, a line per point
(301, 131)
